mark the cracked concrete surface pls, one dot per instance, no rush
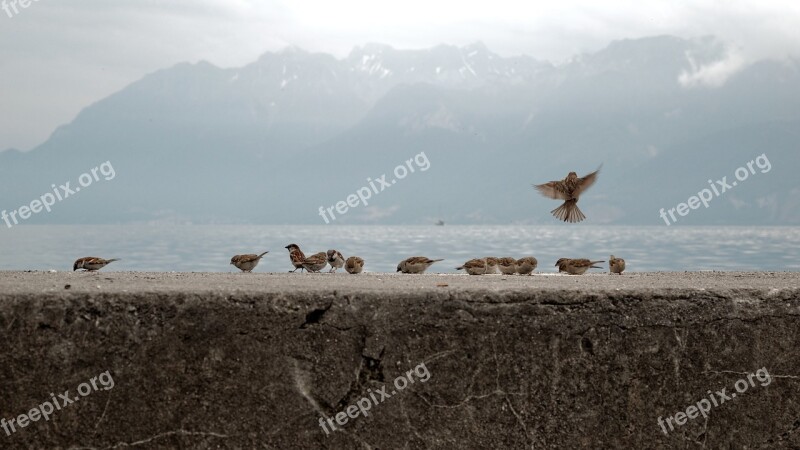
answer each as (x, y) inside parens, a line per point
(253, 360)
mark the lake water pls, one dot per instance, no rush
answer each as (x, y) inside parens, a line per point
(196, 248)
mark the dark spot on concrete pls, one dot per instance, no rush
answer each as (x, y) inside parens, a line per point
(315, 316)
(587, 345)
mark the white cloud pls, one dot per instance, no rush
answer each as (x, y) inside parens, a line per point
(713, 74)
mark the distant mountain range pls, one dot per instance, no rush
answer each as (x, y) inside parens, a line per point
(273, 141)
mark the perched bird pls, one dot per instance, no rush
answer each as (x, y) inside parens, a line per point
(335, 259)
(576, 266)
(474, 266)
(246, 263)
(526, 265)
(316, 262)
(296, 256)
(91, 263)
(616, 265)
(507, 266)
(416, 264)
(568, 189)
(491, 265)
(354, 265)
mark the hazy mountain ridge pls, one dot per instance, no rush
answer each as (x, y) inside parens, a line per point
(272, 141)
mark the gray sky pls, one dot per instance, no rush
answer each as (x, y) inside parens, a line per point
(56, 57)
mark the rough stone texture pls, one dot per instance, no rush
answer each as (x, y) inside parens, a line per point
(253, 360)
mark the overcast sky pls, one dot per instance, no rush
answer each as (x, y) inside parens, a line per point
(57, 56)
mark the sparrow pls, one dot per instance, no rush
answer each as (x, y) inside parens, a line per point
(246, 263)
(354, 265)
(507, 266)
(568, 189)
(474, 266)
(526, 265)
(296, 256)
(316, 262)
(616, 265)
(335, 259)
(91, 263)
(491, 265)
(576, 266)
(416, 264)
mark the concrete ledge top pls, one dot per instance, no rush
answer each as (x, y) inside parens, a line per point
(240, 360)
(27, 283)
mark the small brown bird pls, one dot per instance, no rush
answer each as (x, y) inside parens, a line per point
(507, 266)
(568, 189)
(491, 265)
(354, 265)
(296, 256)
(316, 262)
(416, 264)
(616, 265)
(576, 266)
(526, 265)
(474, 266)
(91, 263)
(335, 259)
(246, 263)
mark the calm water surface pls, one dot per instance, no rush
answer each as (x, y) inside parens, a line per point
(194, 248)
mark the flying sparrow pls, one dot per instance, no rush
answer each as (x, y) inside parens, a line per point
(576, 266)
(474, 266)
(507, 266)
(246, 263)
(316, 262)
(491, 265)
(416, 264)
(354, 265)
(91, 263)
(296, 256)
(335, 259)
(616, 265)
(568, 189)
(526, 265)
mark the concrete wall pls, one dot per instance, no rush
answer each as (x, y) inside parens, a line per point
(536, 369)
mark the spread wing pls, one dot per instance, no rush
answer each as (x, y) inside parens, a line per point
(586, 182)
(553, 189)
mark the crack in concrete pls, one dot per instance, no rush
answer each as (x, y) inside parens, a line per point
(410, 426)
(97, 424)
(795, 377)
(168, 433)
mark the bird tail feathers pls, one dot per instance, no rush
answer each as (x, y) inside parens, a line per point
(569, 212)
